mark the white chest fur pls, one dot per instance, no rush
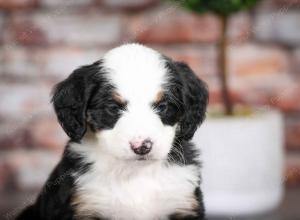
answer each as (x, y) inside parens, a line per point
(136, 190)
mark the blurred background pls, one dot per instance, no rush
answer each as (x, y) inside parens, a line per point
(42, 41)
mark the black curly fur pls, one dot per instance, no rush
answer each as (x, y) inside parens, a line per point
(71, 96)
(195, 101)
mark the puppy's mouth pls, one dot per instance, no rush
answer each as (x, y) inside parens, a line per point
(144, 158)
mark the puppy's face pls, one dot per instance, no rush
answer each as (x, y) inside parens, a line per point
(137, 103)
(136, 114)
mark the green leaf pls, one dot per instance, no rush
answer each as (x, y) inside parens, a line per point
(220, 7)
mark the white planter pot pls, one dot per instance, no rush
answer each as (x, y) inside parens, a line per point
(242, 159)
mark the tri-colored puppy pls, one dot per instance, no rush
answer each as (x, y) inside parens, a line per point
(130, 117)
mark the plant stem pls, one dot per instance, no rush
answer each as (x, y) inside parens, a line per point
(222, 59)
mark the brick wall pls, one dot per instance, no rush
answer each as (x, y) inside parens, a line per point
(42, 41)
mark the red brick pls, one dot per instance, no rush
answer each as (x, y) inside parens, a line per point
(45, 132)
(20, 105)
(260, 69)
(13, 134)
(4, 176)
(278, 26)
(2, 20)
(128, 4)
(260, 75)
(60, 62)
(296, 62)
(239, 30)
(275, 6)
(21, 63)
(292, 172)
(287, 3)
(27, 33)
(17, 4)
(55, 63)
(61, 6)
(28, 170)
(250, 60)
(39, 132)
(288, 99)
(170, 24)
(293, 132)
(88, 29)
(1, 58)
(22, 102)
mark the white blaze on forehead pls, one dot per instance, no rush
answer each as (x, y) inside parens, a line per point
(137, 71)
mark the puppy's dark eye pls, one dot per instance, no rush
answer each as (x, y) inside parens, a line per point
(113, 108)
(169, 112)
(161, 107)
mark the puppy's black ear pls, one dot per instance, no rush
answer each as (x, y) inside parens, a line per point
(195, 96)
(70, 99)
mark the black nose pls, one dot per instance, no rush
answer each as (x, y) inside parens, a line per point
(144, 148)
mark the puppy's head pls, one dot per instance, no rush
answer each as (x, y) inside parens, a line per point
(134, 100)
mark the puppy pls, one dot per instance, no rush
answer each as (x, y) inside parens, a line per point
(130, 117)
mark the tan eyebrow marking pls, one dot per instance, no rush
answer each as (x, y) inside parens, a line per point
(159, 96)
(118, 98)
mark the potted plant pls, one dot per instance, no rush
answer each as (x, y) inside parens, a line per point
(242, 148)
